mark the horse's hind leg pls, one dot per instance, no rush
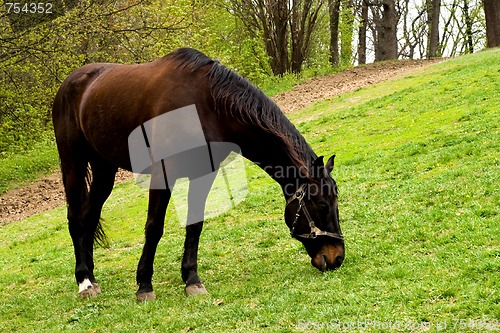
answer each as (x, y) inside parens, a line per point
(102, 181)
(84, 207)
(74, 170)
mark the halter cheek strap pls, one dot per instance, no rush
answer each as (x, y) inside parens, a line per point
(315, 231)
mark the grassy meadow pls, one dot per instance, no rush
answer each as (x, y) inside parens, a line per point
(418, 168)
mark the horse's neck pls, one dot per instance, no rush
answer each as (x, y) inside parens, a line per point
(277, 147)
(271, 156)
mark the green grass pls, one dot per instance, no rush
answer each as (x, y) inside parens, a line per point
(418, 166)
(17, 169)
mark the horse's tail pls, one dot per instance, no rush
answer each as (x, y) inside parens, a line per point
(72, 149)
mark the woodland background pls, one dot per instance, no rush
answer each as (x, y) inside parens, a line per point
(263, 40)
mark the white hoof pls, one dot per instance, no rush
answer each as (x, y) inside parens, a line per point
(88, 289)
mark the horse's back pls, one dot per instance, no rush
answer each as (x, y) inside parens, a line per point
(106, 102)
(73, 87)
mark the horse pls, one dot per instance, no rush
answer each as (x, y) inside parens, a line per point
(98, 107)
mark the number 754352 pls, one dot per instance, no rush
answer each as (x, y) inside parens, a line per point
(29, 8)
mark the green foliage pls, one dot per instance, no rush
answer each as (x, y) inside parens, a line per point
(417, 169)
(346, 32)
(36, 59)
(224, 38)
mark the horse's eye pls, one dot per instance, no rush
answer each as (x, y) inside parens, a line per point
(323, 207)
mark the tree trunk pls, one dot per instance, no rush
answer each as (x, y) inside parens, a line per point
(277, 40)
(492, 15)
(386, 47)
(362, 33)
(346, 32)
(303, 18)
(285, 26)
(334, 9)
(433, 10)
(469, 43)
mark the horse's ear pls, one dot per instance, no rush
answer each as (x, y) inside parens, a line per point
(318, 162)
(330, 163)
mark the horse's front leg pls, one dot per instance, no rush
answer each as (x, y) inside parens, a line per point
(189, 268)
(158, 202)
(197, 196)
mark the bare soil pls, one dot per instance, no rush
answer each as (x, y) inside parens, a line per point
(48, 193)
(44, 194)
(348, 80)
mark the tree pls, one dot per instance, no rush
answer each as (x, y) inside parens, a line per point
(267, 19)
(346, 29)
(433, 10)
(414, 30)
(286, 28)
(362, 32)
(341, 32)
(492, 17)
(468, 27)
(334, 11)
(386, 20)
(303, 19)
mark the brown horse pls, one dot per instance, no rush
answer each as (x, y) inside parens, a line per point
(98, 107)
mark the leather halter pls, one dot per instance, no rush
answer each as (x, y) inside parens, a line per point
(315, 231)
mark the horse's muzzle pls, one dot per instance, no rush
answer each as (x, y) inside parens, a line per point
(329, 257)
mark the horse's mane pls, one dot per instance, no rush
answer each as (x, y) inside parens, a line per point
(248, 104)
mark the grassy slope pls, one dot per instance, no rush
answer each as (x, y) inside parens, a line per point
(418, 171)
(19, 169)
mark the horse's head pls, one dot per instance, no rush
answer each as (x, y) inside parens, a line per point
(312, 215)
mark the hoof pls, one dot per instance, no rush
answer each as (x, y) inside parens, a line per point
(145, 296)
(91, 291)
(195, 289)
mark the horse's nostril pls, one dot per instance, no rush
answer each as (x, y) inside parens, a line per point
(338, 261)
(325, 263)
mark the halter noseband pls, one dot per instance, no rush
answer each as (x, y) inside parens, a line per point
(315, 231)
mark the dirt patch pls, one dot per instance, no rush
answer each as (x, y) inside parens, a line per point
(48, 193)
(348, 80)
(37, 197)
(44, 194)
